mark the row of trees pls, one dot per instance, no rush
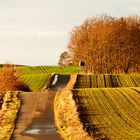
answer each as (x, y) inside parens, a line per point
(107, 44)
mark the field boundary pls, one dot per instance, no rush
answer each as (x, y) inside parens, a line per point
(66, 116)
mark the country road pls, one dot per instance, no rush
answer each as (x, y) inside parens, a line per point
(36, 116)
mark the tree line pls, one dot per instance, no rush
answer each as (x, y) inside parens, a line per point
(107, 44)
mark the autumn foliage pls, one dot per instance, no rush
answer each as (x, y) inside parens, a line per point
(107, 44)
(8, 78)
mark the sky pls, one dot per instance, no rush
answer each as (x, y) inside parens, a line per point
(36, 32)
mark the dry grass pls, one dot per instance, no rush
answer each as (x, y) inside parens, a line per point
(8, 114)
(66, 116)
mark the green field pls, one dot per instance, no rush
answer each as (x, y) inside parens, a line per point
(110, 113)
(35, 82)
(106, 80)
(108, 105)
(36, 78)
(47, 69)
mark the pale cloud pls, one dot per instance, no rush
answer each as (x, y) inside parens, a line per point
(49, 33)
(35, 32)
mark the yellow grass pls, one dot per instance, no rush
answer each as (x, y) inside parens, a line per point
(8, 114)
(66, 116)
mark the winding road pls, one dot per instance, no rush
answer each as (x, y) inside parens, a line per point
(36, 116)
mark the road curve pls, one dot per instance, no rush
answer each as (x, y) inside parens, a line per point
(36, 116)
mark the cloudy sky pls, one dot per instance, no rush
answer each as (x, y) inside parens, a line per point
(36, 32)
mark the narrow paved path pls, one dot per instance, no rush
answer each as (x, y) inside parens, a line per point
(36, 115)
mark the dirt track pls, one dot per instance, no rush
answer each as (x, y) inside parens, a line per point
(36, 116)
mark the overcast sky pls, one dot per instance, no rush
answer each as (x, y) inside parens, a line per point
(36, 32)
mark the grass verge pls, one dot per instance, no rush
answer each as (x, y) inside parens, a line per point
(66, 116)
(8, 113)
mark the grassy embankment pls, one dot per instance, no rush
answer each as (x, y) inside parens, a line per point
(66, 115)
(9, 106)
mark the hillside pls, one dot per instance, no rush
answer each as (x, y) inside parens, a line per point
(108, 105)
(110, 113)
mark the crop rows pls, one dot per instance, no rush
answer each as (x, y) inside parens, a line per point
(35, 82)
(46, 69)
(110, 113)
(25, 70)
(103, 81)
(35, 78)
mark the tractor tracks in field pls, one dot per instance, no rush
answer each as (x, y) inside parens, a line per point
(36, 116)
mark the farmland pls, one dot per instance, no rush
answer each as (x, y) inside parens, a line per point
(108, 105)
(106, 80)
(35, 82)
(36, 78)
(110, 113)
(24, 70)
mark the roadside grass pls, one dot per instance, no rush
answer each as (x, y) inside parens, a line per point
(66, 117)
(9, 106)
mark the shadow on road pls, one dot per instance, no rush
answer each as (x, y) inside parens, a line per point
(36, 116)
(60, 81)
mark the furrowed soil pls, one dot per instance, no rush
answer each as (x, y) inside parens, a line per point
(36, 116)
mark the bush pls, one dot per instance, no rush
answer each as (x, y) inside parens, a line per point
(9, 78)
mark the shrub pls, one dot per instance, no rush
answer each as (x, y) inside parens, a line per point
(9, 78)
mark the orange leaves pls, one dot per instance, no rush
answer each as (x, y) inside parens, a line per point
(8, 78)
(107, 44)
